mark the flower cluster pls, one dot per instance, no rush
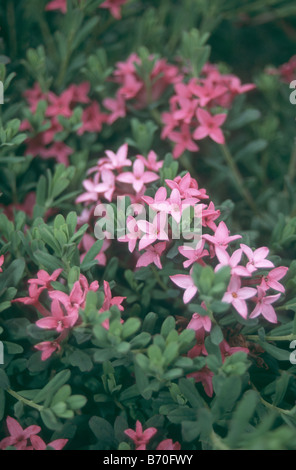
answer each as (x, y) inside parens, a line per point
(63, 314)
(142, 438)
(136, 90)
(46, 143)
(286, 72)
(27, 439)
(192, 115)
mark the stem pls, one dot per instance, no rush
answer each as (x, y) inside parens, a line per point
(239, 179)
(272, 338)
(292, 164)
(216, 440)
(24, 400)
(273, 407)
(158, 278)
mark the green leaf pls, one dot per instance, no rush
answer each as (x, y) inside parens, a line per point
(241, 417)
(4, 380)
(103, 431)
(80, 359)
(89, 259)
(281, 387)
(53, 385)
(50, 420)
(130, 327)
(188, 389)
(76, 402)
(227, 397)
(216, 335)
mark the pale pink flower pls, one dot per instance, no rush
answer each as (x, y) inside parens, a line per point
(209, 215)
(187, 186)
(107, 185)
(115, 161)
(272, 278)
(18, 436)
(152, 255)
(256, 258)
(209, 126)
(138, 177)
(231, 261)
(186, 282)
(151, 162)
(193, 255)
(221, 237)
(157, 230)
(198, 322)
(237, 295)
(139, 437)
(47, 348)
(263, 305)
(133, 233)
(33, 299)
(91, 194)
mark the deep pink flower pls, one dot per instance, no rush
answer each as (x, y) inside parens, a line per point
(168, 444)
(57, 5)
(237, 295)
(116, 106)
(256, 258)
(80, 92)
(1, 263)
(139, 437)
(60, 105)
(18, 436)
(92, 119)
(227, 350)
(152, 255)
(209, 126)
(263, 305)
(204, 376)
(207, 92)
(39, 444)
(33, 299)
(110, 301)
(44, 279)
(59, 319)
(272, 278)
(47, 348)
(114, 7)
(58, 150)
(183, 140)
(138, 177)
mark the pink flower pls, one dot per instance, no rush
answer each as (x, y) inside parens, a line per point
(1, 263)
(114, 7)
(47, 348)
(60, 105)
(193, 255)
(18, 436)
(115, 161)
(199, 348)
(210, 126)
(187, 187)
(152, 255)
(272, 278)
(77, 297)
(236, 295)
(263, 305)
(221, 237)
(256, 258)
(207, 92)
(109, 301)
(39, 444)
(186, 282)
(187, 111)
(157, 230)
(57, 5)
(44, 279)
(231, 261)
(80, 92)
(204, 376)
(91, 194)
(168, 444)
(133, 233)
(58, 321)
(107, 186)
(92, 119)
(138, 177)
(33, 299)
(116, 106)
(198, 322)
(58, 150)
(183, 140)
(227, 350)
(139, 437)
(151, 162)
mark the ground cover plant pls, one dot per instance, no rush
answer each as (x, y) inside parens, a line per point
(147, 225)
